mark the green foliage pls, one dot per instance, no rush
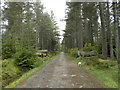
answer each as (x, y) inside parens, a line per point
(52, 53)
(29, 73)
(40, 61)
(106, 63)
(105, 70)
(98, 47)
(8, 50)
(88, 47)
(108, 76)
(9, 71)
(90, 61)
(116, 51)
(74, 52)
(25, 59)
(95, 62)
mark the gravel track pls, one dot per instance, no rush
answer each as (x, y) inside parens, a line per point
(61, 72)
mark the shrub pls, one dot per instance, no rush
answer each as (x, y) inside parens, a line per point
(25, 59)
(9, 71)
(88, 47)
(39, 62)
(98, 47)
(106, 63)
(116, 51)
(74, 52)
(53, 52)
(8, 50)
(92, 61)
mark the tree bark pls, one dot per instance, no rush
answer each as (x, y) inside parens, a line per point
(103, 34)
(109, 32)
(116, 27)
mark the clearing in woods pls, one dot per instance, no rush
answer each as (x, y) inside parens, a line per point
(61, 72)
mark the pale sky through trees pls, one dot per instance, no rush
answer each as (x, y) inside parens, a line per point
(58, 7)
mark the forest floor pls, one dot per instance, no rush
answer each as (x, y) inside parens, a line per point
(61, 72)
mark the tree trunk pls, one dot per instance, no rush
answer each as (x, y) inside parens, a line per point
(109, 32)
(80, 30)
(118, 22)
(116, 27)
(103, 34)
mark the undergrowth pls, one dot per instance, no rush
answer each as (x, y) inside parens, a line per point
(105, 70)
(11, 72)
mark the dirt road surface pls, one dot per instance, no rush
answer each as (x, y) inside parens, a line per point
(61, 72)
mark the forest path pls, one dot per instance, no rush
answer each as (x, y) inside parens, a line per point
(61, 72)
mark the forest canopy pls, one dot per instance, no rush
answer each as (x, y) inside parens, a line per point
(94, 24)
(27, 25)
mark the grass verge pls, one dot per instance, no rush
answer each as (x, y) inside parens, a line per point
(109, 76)
(28, 74)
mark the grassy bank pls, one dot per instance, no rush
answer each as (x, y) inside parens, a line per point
(9, 72)
(23, 75)
(108, 75)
